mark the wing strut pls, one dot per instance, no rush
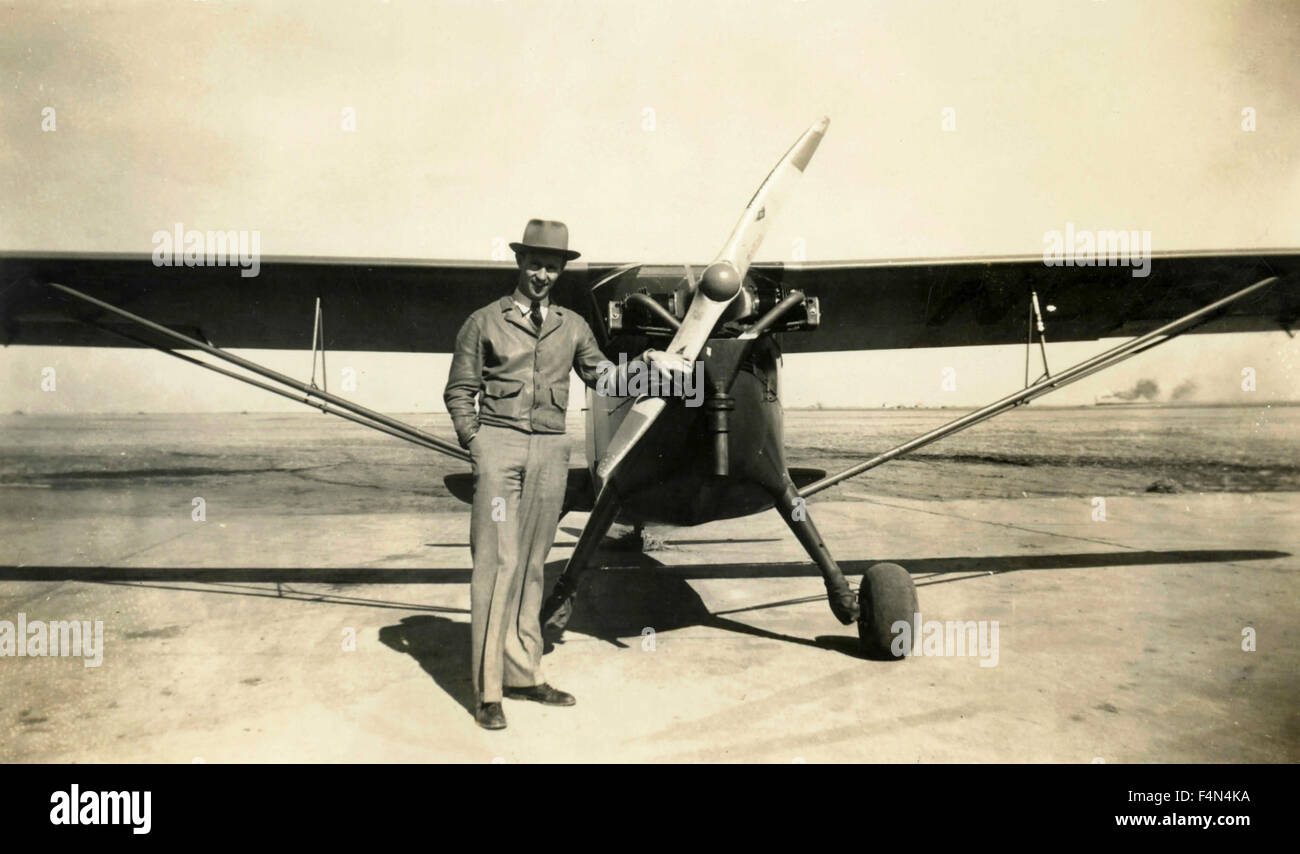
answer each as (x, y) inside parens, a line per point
(1036, 318)
(318, 333)
(1100, 362)
(328, 403)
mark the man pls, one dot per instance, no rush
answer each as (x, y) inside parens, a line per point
(517, 352)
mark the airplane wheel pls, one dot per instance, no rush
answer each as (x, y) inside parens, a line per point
(886, 596)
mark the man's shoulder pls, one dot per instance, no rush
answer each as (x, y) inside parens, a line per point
(570, 316)
(496, 306)
(487, 311)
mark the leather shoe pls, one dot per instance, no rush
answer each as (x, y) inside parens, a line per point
(543, 694)
(490, 716)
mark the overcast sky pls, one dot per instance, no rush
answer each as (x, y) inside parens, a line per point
(647, 127)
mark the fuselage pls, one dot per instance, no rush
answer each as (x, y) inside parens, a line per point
(712, 455)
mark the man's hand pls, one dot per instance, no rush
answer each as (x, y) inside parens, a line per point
(670, 367)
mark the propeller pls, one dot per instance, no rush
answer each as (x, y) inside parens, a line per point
(718, 286)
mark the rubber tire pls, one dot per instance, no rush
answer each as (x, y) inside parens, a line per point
(886, 596)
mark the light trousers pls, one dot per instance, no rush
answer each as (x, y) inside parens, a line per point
(519, 483)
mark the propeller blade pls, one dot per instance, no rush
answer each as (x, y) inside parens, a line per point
(633, 427)
(752, 228)
(718, 287)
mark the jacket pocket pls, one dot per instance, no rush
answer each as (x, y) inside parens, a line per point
(502, 400)
(502, 388)
(560, 397)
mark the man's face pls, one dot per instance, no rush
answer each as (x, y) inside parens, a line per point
(538, 272)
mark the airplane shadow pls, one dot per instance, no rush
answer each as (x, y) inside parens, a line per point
(996, 564)
(614, 560)
(442, 649)
(639, 592)
(631, 593)
(624, 603)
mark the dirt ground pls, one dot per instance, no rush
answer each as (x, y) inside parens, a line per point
(319, 612)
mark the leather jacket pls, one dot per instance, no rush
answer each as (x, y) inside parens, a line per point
(522, 375)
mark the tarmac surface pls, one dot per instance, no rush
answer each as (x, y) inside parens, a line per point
(268, 635)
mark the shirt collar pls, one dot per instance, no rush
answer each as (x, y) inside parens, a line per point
(525, 306)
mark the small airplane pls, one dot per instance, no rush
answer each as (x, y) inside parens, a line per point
(651, 457)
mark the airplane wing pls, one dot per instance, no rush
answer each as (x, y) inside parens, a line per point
(414, 306)
(950, 303)
(374, 305)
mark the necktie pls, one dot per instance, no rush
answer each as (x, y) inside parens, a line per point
(535, 315)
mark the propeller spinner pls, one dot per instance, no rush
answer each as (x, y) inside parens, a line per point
(718, 286)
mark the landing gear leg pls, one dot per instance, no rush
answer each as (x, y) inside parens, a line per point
(558, 607)
(629, 541)
(844, 605)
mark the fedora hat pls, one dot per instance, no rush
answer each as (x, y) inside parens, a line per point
(546, 235)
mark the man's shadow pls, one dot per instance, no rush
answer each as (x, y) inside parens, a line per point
(441, 647)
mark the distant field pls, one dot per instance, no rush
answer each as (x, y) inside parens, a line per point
(1087, 451)
(326, 465)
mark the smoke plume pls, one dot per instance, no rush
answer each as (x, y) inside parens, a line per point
(1142, 390)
